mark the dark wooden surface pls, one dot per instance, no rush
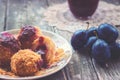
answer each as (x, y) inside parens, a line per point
(15, 13)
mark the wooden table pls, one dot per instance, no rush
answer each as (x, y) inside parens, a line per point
(15, 13)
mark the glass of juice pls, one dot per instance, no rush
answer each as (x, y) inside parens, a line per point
(83, 9)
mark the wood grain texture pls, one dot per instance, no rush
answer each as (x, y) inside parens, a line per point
(116, 2)
(25, 12)
(56, 76)
(52, 2)
(2, 13)
(80, 67)
(83, 67)
(112, 72)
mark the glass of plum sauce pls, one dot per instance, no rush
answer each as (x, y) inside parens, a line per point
(83, 9)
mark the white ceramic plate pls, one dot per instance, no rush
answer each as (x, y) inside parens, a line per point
(61, 43)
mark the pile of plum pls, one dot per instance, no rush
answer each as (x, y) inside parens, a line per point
(100, 42)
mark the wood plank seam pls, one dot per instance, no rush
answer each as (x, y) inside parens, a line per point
(67, 74)
(6, 14)
(47, 2)
(97, 75)
(64, 75)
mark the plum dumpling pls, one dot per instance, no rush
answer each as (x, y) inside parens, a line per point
(26, 62)
(8, 47)
(27, 35)
(46, 48)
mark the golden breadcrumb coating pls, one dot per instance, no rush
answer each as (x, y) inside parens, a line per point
(26, 62)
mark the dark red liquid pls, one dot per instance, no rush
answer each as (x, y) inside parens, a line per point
(83, 8)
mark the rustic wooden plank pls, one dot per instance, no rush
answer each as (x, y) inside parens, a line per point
(112, 72)
(56, 76)
(25, 12)
(116, 2)
(80, 66)
(2, 13)
(52, 2)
